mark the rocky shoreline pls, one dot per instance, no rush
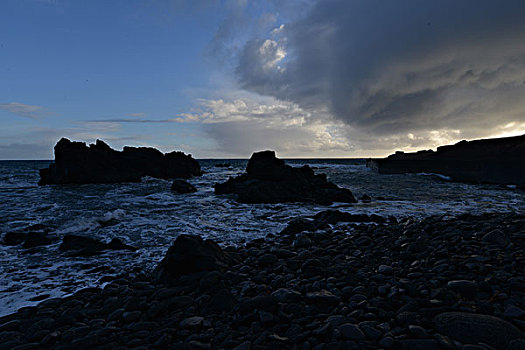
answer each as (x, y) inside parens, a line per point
(438, 283)
(494, 161)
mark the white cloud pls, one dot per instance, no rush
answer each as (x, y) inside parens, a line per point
(24, 110)
(438, 71)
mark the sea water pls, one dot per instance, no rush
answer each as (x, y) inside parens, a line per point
(149, 216)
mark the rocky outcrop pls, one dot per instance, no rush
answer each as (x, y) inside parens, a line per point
(86, 246)
(328, 217)
(77, 163)
(269, 180)
(498, 161)
(30, 237)
(190, 254)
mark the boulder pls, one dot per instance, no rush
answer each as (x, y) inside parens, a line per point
(14, 238)
(325, 218)
(182, 187)
(476, 328)
(269, 180)
(190, 254)
(36, 239)
(77, 163)
(86, 246)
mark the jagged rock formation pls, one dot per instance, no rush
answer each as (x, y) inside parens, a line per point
(498, 161)
(77, 163)
(269, 180)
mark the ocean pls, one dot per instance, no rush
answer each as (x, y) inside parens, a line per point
(149, 216)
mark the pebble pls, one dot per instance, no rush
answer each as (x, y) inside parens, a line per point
(385, 270)
(351, 331)
(338, 291)
(191, 322)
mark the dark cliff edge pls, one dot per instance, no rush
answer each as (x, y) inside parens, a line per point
(495, 161)
(77, 163)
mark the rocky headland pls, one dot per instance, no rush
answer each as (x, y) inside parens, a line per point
(269, 180)
(77, 163)
(497, 161)
(365, 283)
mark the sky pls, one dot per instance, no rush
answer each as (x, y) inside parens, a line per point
(226, 78)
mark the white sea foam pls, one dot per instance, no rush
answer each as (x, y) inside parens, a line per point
(149, 216)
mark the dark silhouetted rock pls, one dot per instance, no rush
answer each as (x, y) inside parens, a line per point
(365, 198)
(36, 239)
(109, 222)
(190, 254)
(269, 180)
(498, 161)
(86, 246)
(496, 237)
(77, 163)
(14, 238)
(325, 218)
(474, 328)
(117, 244)
(181, 186)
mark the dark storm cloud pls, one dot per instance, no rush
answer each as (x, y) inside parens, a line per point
(391, 67)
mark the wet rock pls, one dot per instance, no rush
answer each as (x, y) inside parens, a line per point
(385, 270)
(109, 222)
(182, 187)
(365, 198)
(386, 342)
(351, 332)
(419, 344)
(267, 259)
(222, 301)
(417, 331)
(512, 311)
(191, 322)
(269, 180)
(86, 246)
(463, 287)
(299, 225)
(302, 241)
(77, 163)
(14, 238)
(190, 254)
(285, 295)
(322, 297)
(496, 237)
(117, 244)
(36, 239)
(326, 218)
(475, 328)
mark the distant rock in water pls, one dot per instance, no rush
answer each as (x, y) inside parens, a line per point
(182, 187)
(269, 180)
(77, 163)
(497, 161)
(86, 246)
